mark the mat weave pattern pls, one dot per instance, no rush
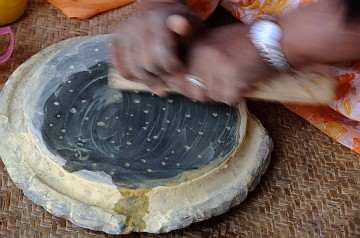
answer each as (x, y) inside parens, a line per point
(311, 189)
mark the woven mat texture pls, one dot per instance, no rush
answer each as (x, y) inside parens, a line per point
(311, 189)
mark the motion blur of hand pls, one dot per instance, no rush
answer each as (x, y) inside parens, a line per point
(149, 48)
(167, 46)
(146, 48)
(226, 62)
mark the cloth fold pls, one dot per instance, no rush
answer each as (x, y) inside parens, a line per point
(85, 9)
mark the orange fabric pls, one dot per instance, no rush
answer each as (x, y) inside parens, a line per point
(84, 9)
(332, 123)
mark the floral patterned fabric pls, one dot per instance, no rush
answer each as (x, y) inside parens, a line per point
(341, 119)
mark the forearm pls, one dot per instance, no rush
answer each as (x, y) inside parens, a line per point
(320, 33)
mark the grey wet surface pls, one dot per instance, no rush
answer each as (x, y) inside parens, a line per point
(136, 138)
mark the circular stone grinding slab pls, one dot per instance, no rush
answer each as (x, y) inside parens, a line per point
(118, 161)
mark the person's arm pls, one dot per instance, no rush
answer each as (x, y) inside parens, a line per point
(229, 64)
(322, 33)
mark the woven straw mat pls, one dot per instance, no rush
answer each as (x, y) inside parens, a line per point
(311, 189)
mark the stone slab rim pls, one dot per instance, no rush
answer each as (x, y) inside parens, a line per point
(158, 217)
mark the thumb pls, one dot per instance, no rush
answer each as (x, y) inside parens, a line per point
(179, 25)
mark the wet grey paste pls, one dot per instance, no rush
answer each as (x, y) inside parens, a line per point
(136, 138)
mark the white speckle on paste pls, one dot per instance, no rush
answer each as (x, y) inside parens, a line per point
(56, 103)
(83, 101)
(149, 170)
(73, 110)
(163, 163)
(155, 137)
(199, 156)
(187, 147)
(142, 160)
(51, 125)
(215, 114)
(127, 164)
(96, 49)
(71, 90)
(63, 130)
(187, 115)
(146, 111)
(128, 142)
(71, 67)
(136, 101)
(117, 96)
(100, 123)
(201, 133)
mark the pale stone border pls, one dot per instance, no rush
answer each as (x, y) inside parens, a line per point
(100, 205)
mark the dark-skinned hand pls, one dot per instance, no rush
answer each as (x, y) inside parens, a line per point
(146, 48)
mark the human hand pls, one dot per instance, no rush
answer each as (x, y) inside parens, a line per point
(227, 64)
(146, 48)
